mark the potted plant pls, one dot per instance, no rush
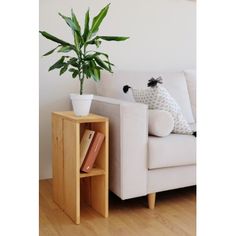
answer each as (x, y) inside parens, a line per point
(85, 63)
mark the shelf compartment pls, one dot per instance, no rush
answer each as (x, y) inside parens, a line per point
(70, 187)
(93, 172)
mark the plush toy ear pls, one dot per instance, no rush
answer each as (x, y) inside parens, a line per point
(126, 88)
(153, 82)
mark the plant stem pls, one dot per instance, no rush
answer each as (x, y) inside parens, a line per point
(81, 85)
(82, 77)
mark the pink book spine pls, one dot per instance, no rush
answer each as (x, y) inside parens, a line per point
(92, 152)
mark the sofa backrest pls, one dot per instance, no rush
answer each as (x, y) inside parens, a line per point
(111, 85)
(191, 84)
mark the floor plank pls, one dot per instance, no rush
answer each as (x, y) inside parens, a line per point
(174, 214)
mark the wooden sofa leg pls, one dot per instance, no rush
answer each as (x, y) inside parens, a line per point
(151, 200)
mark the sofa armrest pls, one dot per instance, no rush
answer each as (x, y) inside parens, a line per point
(128, 145)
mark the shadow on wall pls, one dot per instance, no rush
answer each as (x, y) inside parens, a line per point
(45, 110)
(57, 101)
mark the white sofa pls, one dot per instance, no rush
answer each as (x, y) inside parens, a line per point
(141, 164)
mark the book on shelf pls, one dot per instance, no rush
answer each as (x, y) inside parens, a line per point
(93, 152)
(85, 143)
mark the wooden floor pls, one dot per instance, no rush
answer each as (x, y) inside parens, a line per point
(174, 214)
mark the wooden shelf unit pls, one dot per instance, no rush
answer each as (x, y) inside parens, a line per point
(71, 188)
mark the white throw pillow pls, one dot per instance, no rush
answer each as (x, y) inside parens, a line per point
(160, 123)
(159, 98)
(111, 85)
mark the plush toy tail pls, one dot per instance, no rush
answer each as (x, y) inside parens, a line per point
(126, 88)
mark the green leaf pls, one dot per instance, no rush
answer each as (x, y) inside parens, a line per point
(106, 56)
(70, 23)
(75, 21)
(63, 69)
(91, 71)
(92, 56)
(109, 63)
(86, 26)
(50, 52)
(58, 64)
(78, 40)
(106, 38)
(97, 20)
(86, 71)
(97, 73)
(95, 54)
(66, 48)
(101, 53)
(75, 73)
(73, 62)
(98, 43)
(94, 71)
(113, 38)
(72, 69)
(95, 41)
(53, 38)
(102, 64)
(89, 57)
(91, 41)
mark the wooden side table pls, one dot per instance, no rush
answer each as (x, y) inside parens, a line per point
(70, 187)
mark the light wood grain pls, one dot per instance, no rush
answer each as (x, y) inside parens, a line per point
(57, 159)
(69, 195)
(151, 200)
(174, 215)
(93, 172)
(85, 191)
(81, 119)
(99, 184)
(71, 170)
(99, 194)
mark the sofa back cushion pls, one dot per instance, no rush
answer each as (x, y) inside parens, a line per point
(191, 84)
(111, 85)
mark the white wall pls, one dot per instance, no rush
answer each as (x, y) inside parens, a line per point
(162, 37)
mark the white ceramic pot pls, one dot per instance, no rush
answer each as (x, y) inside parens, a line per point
(81, 103)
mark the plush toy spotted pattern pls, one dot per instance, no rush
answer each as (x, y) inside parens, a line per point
(157, 97)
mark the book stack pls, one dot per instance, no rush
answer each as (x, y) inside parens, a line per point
(90, 146)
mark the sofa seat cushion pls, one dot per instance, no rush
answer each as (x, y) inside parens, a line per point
(173, 150)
